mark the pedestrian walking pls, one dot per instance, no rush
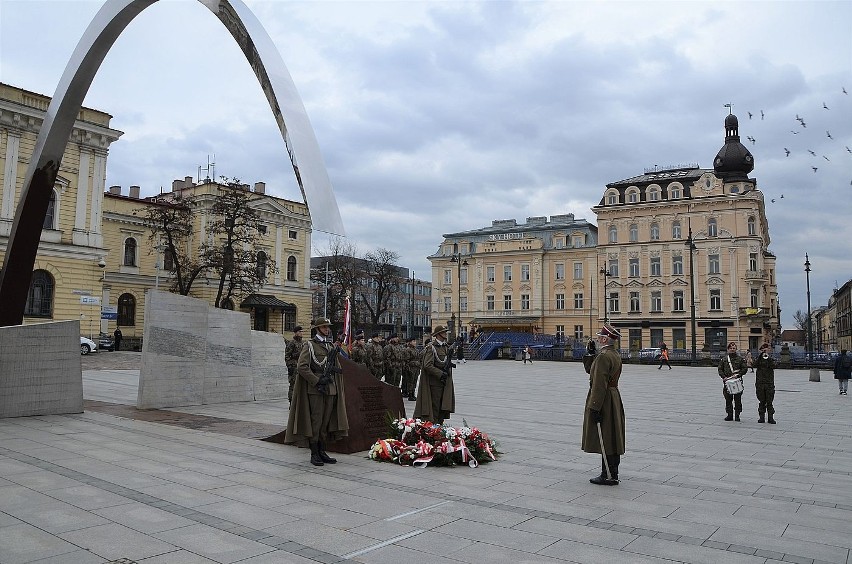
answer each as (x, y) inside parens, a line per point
(764, 384)
(318, 412)
(116, 335)
(749, 361)
(664, 356)
(527, 354)
(603, 419)
(843, 370)
(731, 369)
(460, 349)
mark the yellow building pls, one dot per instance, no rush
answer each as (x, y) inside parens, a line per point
(96, 261)
(534, 277)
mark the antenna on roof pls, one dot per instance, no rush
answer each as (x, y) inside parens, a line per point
(210, 170)
(730, 108)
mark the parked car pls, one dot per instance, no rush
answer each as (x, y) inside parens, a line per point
(649, 353)
(106, 342)
(87, 346)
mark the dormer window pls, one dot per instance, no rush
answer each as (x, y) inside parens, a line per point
(612, 198)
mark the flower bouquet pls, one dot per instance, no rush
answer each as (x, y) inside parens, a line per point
(419, 443)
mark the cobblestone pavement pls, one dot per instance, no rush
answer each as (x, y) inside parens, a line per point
(118, 360)
(100, 487)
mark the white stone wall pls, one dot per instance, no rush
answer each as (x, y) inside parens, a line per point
(195, 354)
(40, 371)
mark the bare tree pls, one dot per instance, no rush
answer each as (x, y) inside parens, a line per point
(800, 320)
(234, 254)
(345, 271)
(170, 220)
(383, 277)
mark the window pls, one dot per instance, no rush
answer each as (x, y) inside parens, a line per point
(716, 300)
(291, 269)
(463, 276)
(613, 268)
(40, 296)
(656, 301)
(560, 301)
(489, 303)
(463, 303)
(578, 271)
(578, 241)
(677, 265)
(752, 261)
(656, 337)
(677, 300)
(655, 232)
(612, 199)
(578, 300)
(126, 310)
(752, 226)
(634, 233)
(130, 252)
(525, 301)
(261, 229)
(507, 301)
(291, 234)
(656, 269)
(525, 272)
(653, 194)
(560, 333)
(634, 268)
(634, 302)
(448, 277)
(50, 217)
(578, 332)
(168, 260)
(713, 264)
(676, 230)
(613, 302)
(507, 273)
(755, 297)
(560, 271)
(448, 303)
(613, 234)
(674, 192)
(489, 274)
(633, 197)
(712, 228)
(261, 265)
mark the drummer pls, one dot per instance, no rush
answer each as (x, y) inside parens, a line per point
(730, 366)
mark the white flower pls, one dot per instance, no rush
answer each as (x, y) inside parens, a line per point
(450, 432)
(464, 432)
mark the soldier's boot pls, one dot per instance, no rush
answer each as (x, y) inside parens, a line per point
(771, 417)
(737, 416)
(324, 455)
(730, 417)
(315, 457)
(760, 420)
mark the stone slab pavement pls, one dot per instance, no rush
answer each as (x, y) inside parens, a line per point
(97, 487)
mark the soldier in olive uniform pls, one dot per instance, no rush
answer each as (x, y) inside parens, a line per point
(604, 407)
(412, 369)
(732, 365)
(436, 397)
(359, 354)
(291, 359)
(318, 413)
(375, 357)
(764, 383)
(394, 361)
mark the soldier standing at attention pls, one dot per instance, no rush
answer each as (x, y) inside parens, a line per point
(412, 369)
(604, 407)
(359, 354)
(375, 356)
(436, 397)
(291, 359)
(391, 361)
(318, 413)
(730, 366)
(764, 383)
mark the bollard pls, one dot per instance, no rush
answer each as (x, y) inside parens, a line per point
(814, 375)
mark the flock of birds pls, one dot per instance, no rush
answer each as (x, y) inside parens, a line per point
(803, 129)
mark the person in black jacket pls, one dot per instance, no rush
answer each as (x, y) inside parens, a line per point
(117, 336)
(764, 383)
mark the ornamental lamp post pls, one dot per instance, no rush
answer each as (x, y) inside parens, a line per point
(690, 244)
(456, 258)
(814, 375)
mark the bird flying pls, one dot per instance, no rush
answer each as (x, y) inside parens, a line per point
(786, 150)
(829, 134)
(815, 168)
(811, 152)
(824, 106)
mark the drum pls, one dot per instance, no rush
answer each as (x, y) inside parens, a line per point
(734, 385)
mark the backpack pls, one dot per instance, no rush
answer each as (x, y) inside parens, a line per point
(847, 361)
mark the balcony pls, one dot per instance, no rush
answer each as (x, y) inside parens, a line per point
(756, 275)
(755, 312)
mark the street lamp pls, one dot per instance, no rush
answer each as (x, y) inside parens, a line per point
(325, 292)
(411, 308)
(456, 258)
(810, 346)
(605, 273)
(690, 244)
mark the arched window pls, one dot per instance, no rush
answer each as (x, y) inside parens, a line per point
(613, 234)
(752, 226)
(291, 269)
(676, 230)
(653, 194)
(612, 198)
(655, 232)
(261, 265)
(674, 192)
(50, 216)
(40, 296)
(168, 260)
(712, 228)
(634, 233)
(130, 252)
(126, 310)
(633, 196)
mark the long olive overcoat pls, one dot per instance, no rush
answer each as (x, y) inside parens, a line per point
(299, 429)
(604, 397)
(434, 355)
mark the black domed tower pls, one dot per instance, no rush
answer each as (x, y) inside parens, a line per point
(733, 162)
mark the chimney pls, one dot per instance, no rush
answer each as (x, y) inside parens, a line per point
(115, 190)
(177, 185)
(260, 187)
(187, 182)
(134, 192)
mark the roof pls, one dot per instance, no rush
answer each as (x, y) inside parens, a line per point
(266, 301)
(679, 174)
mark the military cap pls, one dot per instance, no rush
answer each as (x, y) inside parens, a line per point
(320, 322)
(438, 330)
(609, 331)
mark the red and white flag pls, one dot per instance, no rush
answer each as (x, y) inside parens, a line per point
(347, 326)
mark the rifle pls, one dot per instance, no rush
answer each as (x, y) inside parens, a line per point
(448, 364)
(329, 371)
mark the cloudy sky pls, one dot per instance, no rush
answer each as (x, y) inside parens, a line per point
(436, 117)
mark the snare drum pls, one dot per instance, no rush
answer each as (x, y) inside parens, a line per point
(734, 385)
